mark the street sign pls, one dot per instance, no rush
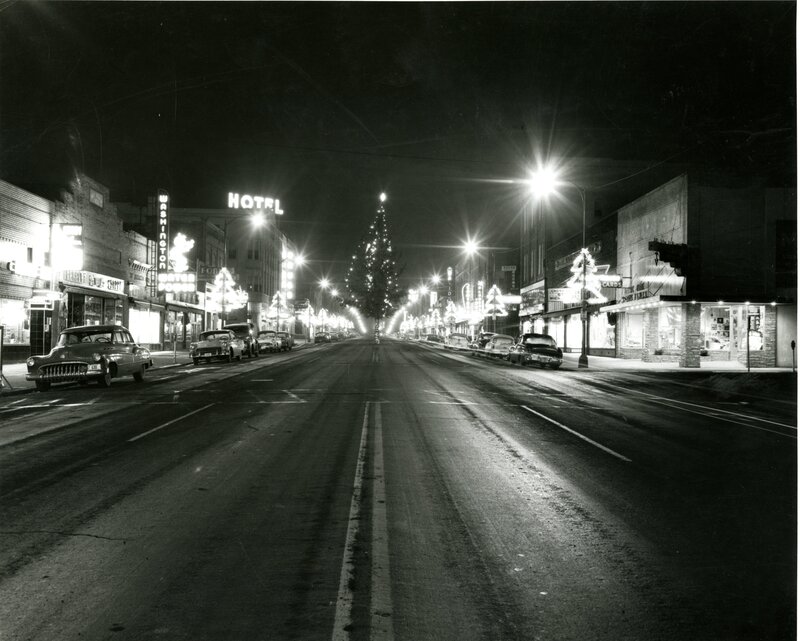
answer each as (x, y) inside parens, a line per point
(564, 295)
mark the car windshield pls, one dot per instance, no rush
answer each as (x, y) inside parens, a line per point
(213, 336)
(88, 336)
(266, 333)
(540, 341)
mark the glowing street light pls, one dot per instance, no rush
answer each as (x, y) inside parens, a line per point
(436, 279)
(470, 247)
(544, 182)
(324, 283)
(257, 219)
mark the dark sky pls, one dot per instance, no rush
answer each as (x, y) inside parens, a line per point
(325, 105)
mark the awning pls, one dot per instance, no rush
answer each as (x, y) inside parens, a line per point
(184, 307)
(642, 303)
(146, 304)
(88, 291)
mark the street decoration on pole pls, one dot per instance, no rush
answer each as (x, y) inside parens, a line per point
(223, 295)
(494, 306)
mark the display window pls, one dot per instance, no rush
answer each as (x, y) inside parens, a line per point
(574, 331)
(14, 318)
(715, 325)
(601, 333)
(632, 330)
(670, 327)
(557, 331)
(144, 325)
(538, 326)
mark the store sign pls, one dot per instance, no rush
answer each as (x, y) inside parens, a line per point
(92, 280)
(246, 201)
(177, 282)
(67, 243)
(180, 247)
(162, 232)
(564, 295)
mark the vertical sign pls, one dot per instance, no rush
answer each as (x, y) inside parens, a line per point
(162, 247)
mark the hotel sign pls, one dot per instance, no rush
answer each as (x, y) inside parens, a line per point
(162, 233)
(246, 201)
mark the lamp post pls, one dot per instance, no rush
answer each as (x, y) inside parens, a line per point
(544, 182)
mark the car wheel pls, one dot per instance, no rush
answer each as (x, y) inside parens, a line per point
(196, 361)
(42, 386)
(105, 380)
(139, 376)
(555, 365)
(239, 357)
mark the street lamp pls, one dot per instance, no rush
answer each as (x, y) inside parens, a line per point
(543, 182)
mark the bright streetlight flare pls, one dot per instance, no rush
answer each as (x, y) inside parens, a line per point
(324, 283)
(471, 247)
(257, 219)
(436, 279)
(543, 181)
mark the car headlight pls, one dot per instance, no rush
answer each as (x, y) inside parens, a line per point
(97, 357)
(30, 362)
(192, 345)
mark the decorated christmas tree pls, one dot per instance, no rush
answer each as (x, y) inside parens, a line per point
(224, 295)
(372, 280)
(494, 304)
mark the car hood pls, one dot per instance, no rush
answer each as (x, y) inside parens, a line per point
(80, 351)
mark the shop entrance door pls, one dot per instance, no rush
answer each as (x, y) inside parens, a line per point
(41, 324)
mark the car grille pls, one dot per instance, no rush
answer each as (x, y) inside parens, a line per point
(63, 370)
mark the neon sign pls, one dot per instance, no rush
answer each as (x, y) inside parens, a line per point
(162, 250)
(246, 201)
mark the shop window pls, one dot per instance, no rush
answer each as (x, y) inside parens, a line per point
(670, 327)
(92, 311)
(715, 325)
(574, 331)
(601, 332)
(632, 330)
(14, 317)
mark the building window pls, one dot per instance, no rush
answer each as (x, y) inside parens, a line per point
(670, 327)
(96, 198)
(14, 318)
(632, 330)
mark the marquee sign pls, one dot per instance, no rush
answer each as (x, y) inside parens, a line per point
(162, 247)
(247, 201)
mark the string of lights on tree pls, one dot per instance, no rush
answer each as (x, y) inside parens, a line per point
(372, 279)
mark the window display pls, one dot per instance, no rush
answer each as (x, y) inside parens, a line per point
(633, 330)
(574, 331)
(601, 333)
(670, 327)
(13, 316)
(715, 324)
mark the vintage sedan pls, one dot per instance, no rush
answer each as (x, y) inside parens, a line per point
(217, 344)
(536, 349)
(87, 353)
(498, 345)
(247, 332)
(287, 340)
(268, 341)
(457, 341)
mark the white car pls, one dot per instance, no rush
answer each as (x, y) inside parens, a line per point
(217, 344)
(499, 345)
(457, 341)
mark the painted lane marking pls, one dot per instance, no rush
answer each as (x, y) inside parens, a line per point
(705, 407)
(174, 420)
(261, 380)
(454, 403)
(294, 397)
(381, 628)
(713, 414)
(579, 435)
(344, 601)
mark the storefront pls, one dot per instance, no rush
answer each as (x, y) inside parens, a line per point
(144, 323)
(183, 323)
(90, 299)
(693, 332)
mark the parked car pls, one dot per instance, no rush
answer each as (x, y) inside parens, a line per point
(90, 352)
(479, 343)
(498, 345)
(434, 338)
(322, 337)
(268, 341)
(247, 332)
(217, 344)
(536, 349)
(457, 341)
(287, 340)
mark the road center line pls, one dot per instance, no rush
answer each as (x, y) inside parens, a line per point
(174, 420)
(344, 601)
(380, 586)
(581, 436)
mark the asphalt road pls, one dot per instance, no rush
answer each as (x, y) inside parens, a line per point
(395, 491)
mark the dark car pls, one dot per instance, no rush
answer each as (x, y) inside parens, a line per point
(287, 340)
(322, 337)
(90, 352)
(536, 349)
(247, 332)
(434, 338)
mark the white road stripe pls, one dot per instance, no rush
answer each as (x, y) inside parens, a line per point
(295, 397)
(705, 407)
(381, 628)
(174, 420)
(344, 601)
(454, 403)
(581, 436)
(261, 380)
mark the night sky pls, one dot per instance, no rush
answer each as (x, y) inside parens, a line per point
(325, 105)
